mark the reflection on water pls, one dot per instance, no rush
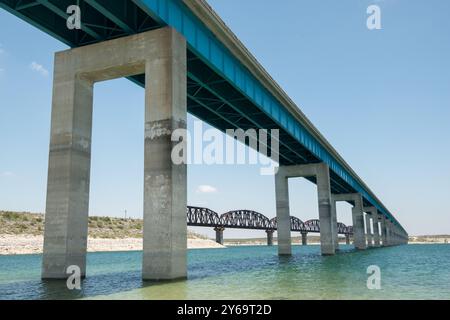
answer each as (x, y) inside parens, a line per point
(408, 272)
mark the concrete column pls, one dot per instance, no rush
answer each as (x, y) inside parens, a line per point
(372, 239)
(393, 234)
(376, 231)
(67, 206)
(219, 235)
(334, 225)
(327, 236)
(383, 231)
(283, 217)
(347, 239)
(369, 231)
(165, 183)
(304, 238)
(389, 233)
(269, 237)
(359, 238)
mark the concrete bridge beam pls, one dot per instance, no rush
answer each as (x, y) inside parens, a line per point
(322, 173)
(161, 55)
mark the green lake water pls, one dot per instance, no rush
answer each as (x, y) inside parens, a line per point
(253, 272)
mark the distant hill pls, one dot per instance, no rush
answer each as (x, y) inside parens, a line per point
(24, 223)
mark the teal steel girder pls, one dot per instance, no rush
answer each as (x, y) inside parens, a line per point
(111, 19)
(201, 41)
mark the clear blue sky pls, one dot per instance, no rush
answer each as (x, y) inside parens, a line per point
(382, 98)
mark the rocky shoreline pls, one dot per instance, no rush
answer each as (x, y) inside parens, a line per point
(29, 244)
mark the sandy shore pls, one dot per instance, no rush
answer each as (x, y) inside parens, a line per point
(10, 244)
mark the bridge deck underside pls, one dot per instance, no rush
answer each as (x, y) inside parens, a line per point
(211, 98)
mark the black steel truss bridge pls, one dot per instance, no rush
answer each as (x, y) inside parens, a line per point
(248, 219)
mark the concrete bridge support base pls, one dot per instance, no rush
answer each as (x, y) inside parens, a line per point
(347, 239)
(219, 235)
(304, 238)
(161, 55)
(269, 237)
(322, 174)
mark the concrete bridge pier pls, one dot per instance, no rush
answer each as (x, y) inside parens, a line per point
(161, 56)
(347, 239)
(359, 238)
(393, 234)
(390, 238)
(384, 235)
(304, 238)
(369, 231)
(373, 239)
(219, 235)
(283, 216)
(270, 237)
(376, 230)
(327, 232)
(334, 224)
